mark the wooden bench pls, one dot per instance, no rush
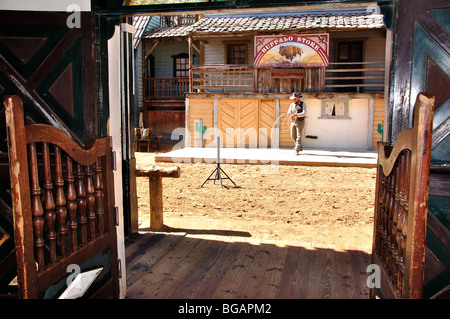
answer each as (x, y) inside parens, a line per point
(155, 175)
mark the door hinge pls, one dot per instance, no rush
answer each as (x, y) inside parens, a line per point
(119, 266)
(114, 160)
(116, 209)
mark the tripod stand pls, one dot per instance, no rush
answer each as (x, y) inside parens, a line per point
(218, 170)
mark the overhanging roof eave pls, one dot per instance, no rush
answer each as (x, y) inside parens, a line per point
(200, 35)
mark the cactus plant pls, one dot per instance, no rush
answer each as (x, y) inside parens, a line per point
(200, 128)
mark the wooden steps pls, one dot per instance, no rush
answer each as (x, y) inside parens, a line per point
(186, 266)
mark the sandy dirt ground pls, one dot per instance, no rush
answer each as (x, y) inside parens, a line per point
(302, 204)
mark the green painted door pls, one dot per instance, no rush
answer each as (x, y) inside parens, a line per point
(421, 63)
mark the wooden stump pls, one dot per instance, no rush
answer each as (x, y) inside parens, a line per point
(155, 175)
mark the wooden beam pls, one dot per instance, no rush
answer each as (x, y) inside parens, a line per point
(162, 171)
(196, 49)
(151, 50)
(281, 96)
(190, 63)
(288, 73)
(355, 70)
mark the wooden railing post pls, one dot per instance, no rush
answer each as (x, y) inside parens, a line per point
(190, 64)
(155, 175)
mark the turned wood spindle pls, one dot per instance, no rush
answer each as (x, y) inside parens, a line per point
(90, 201)
(71, 205)
(49, 204)
(81, 203)
(36, 209)
(60, 202)
(98, 186)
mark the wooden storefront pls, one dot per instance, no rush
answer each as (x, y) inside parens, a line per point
(249, 100)
(259, 121)
(228, 90)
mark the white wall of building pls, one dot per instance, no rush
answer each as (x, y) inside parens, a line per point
(348, 133)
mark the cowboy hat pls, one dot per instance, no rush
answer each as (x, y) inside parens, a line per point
(295, 95)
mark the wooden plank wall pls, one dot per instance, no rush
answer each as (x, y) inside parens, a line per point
(285, 124)
(266, 119)
(257, 114)
(241, 116)
(161, 121)
(139, 98)
(312, 81)
(201, 109)
(256, 118)
(378, 118)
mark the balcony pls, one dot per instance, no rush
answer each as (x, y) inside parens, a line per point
(337, 77)
(355, 77)
(225, 78)
(222, 78)
(165, 88)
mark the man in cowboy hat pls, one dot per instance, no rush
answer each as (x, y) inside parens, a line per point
(297, 113)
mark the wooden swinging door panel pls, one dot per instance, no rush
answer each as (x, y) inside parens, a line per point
(422, 64)
(63, 205)
(401, 206)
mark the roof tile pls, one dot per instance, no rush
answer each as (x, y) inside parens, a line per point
(292, 22)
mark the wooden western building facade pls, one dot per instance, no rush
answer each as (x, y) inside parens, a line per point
(206, 71)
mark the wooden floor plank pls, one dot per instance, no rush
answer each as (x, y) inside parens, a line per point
(228, 287)
(253, 279)
(204, 265)
(137, 245)
(273, 274)
(360, 259)
(150, 255)
(322, 283)
(345, 277)
(212, 278)
(295, 277)
(145, 286)
(184, 267)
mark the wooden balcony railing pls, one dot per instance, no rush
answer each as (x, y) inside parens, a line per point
(222, 77)
(338, 77)
(165, 88)
(350, 76)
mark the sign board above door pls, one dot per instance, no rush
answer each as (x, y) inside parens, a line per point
(292, 51)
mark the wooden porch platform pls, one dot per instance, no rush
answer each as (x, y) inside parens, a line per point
(198, 266)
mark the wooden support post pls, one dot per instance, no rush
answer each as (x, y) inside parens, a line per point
(155, 175)
(190, 63)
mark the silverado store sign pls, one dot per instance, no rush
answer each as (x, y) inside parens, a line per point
(305, 50)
